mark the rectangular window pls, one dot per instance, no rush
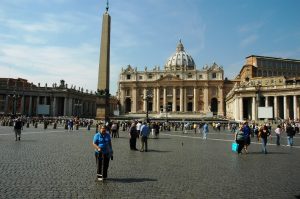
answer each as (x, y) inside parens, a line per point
(200, 76)
(150, 76)
(140, 77)
(128, 77)
(214, 75)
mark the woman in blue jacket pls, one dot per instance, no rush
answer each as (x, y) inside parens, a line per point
(103, 151)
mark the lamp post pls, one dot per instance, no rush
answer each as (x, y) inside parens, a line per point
(147, 99)
(167, 109)
(14, 97)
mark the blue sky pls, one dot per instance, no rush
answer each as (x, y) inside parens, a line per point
(45, 41)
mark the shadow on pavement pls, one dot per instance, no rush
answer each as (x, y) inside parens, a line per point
(269, 153)
(158, 151)
(130, 180)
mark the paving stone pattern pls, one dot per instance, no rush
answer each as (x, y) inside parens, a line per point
(60, 164)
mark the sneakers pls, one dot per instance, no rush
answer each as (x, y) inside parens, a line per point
(99, 177)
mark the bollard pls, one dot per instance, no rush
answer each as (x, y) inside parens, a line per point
(54, 125)
(35, 125)
(66, 126)
(27, 124)
(89, 127)
(77, 126)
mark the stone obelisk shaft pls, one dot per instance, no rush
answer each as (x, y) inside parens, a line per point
(104, 65)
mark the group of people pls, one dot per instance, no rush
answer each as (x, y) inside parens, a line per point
(137, 130)
(263, 132)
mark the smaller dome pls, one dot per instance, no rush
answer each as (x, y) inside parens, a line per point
(180, 60)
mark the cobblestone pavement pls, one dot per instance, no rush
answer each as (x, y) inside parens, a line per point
(60, 164)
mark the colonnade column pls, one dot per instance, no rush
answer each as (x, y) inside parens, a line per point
(254, 108)
(275, 107)
(195, 100)
(241, 108)
(295, 106)
(285, 107)
(6, 104)
(181, 99)
(71, 107)
(22, 105)
(174, 100)
(30, 106)
(65, 106)
(236, 108)
(54, 107)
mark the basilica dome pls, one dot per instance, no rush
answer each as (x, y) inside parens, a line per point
(180, 60)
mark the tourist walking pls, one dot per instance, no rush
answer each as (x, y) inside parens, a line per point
(264, 134)
(205, 131)
(18, 128)
(278, 134)
(133, 136)
(247, 133)
(239, 139)
(103, 152)
(290, 131)
(144, 133)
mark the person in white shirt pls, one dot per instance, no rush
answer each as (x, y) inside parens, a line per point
(278, 132)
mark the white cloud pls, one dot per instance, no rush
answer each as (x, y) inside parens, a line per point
(250, 27)
(249, 40)
(78, 66)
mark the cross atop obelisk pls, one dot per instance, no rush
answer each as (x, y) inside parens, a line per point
(104, 65)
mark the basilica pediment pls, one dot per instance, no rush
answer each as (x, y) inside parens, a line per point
(129, 69)
(168, 78)
(213, 67)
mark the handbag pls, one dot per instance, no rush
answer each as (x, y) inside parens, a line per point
(234, 147)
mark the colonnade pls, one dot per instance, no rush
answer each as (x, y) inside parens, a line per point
(284, 106)
(58, 105)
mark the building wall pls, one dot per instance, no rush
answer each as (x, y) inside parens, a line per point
(18, 96)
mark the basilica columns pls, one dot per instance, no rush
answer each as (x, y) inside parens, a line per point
(174, 100)
(206, 103)
(181, 99)
(158, 100)
(195, 100)
(165, 99)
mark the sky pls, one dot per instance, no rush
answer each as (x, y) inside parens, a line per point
(47, 41)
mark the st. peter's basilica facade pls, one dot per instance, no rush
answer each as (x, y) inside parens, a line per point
(179, 88)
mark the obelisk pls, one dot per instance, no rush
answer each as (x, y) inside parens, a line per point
(102, 104)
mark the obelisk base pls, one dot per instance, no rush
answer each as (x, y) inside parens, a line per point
(102, 107)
